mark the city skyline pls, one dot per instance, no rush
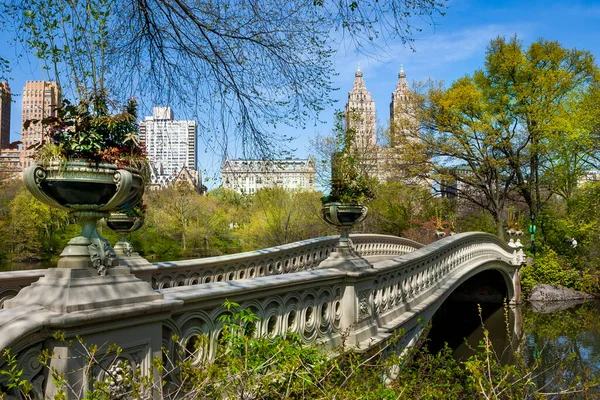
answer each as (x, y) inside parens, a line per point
(447, 51)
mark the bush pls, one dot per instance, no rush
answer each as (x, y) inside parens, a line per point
(550, 268)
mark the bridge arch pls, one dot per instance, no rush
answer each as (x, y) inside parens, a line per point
(421, 309)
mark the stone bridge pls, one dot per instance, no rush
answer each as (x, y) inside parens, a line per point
(360, 298)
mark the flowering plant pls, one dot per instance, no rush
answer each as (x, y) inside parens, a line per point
(71, 40)
(88, 131)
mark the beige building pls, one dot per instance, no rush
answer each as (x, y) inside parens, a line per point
(387, 163)
(5, 100)
(11, 161)
(360, 113)
(402, 114)
(249, 176)
(40, 100)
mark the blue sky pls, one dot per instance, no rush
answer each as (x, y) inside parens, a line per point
(455, 46)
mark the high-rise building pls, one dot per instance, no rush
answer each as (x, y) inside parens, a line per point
(249, 176)
(171, 145)
(402, 116)
(40, 100)
(360, 113)
(5, 100)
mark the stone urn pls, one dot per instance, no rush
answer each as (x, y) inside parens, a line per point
(124, 223)
(343, 216)
(89, 192)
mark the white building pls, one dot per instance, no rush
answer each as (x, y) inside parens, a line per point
(249, 176)
(171, 145)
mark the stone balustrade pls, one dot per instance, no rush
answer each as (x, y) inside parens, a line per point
(321, 304)
(293, 257)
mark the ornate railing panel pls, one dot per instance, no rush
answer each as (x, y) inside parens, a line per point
(294, 257)
(405, 279)
(308, 303)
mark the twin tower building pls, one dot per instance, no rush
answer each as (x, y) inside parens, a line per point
(249, 176)
(360, 116)
(360, 110)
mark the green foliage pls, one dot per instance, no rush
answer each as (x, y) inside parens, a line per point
(87, 130)
(71, 41)
(549, 267)
(479, 221)
(522, 125)
(397, 208)
(34, 227)
(13, 375)
(351, 178)
(252, 367)
(275, 216)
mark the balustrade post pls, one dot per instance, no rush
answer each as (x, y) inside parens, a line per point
(358, 319)
(81, 364)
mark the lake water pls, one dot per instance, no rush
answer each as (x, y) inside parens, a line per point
(558, 342)
(19, 266)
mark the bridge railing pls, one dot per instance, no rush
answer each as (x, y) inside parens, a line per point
(294, 257)
(289, 258)
(322, 305)
(332, 306)
(407, 279)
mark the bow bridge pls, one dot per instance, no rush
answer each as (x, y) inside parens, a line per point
(326, 294)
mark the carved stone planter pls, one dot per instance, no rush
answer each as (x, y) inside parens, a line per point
(123, 224)
(343, 216)
(89, 192)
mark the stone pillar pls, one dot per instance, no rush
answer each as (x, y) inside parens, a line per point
(138, 344)
(357, 303)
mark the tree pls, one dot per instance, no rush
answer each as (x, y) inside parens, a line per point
(397, 207)
(33, 227)
(523, 124)
(278, 216)
(243, 66)
(171, 210)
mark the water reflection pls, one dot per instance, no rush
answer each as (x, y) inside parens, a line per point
(559, 343)
(21, 266)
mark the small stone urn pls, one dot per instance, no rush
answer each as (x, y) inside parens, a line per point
(124, 223)
(343, 216)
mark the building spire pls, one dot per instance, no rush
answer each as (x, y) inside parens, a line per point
(402, 85)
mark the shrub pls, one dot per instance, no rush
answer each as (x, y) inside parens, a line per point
(550, 268)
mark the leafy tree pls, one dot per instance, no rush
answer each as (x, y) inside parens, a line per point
(397, 207)
(33, 226)
(255, 64)
(278, 216)
(8, 191)
(523, 124)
